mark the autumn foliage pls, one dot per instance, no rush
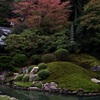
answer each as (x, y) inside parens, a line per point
(44, 15)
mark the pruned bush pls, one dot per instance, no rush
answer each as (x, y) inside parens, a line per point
(20, 60)
(26, 78)
(42, 66)
(43, 74)
(14, 69)
(61, 54)
(48, 58)
(19, 77)
(6, 62)
(35, 59)
(30, 68)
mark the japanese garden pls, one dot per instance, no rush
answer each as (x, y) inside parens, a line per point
(49, 49)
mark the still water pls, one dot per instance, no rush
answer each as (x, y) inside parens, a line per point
(33, 95)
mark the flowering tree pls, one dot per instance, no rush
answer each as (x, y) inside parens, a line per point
(45, 15)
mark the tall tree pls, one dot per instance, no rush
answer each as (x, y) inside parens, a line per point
(88, 30)
(5, 10)
(45, 15)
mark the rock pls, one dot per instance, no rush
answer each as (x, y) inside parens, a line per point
(53, 85)
(34, 70)
(32, 77)
(95, 68)
(50, 86)
(33, 88)
(95, 80)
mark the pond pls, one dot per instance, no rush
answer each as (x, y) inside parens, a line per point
(33, 95)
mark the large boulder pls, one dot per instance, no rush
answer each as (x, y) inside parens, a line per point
(50, 86)
(33, 76)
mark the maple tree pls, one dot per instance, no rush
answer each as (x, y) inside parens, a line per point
(45, 15)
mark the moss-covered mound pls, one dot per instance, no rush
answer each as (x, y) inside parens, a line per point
(84, 60)
(71, 76)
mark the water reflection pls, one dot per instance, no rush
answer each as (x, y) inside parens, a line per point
(32, 95)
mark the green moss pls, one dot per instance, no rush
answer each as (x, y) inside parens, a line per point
(24, 84)
(71, 76)
(84, 60)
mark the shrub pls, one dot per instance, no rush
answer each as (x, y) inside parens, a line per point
(43, 74)
(61, 54)
(14, 69)
(42, 66)
(30, 68)
(26, 78)
(10, 74)
(19, 77)
(48, 58)
(12, 54)
(6, 62)
(35, 59)
(20, 60)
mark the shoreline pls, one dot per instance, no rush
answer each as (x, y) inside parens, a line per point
(79, 92)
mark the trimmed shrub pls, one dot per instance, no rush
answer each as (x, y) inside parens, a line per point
(42, 66)
(20, 60)
(6, 62)
(61, 54)
(48, 58)
(19, 77)
(43, 74)
(14, 69)
(30, 68)
(35, 59)
(26, 78)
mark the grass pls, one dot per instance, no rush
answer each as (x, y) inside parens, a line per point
(71, 76)
(24, 84)
(4, 98)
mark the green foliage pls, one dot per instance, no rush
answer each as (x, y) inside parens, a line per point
(43, 74)
(61, 54)
(26, 78)
(37, 84)
(48, 58)
(6, 62)
(13, 53)
(35, 59)
(42, 66)
(88, 28)
(20, 60)
(14, 69)
(5, 10)
(19, 77)
(24, 84)
(84, 60)
(30, 68)
(71, 76)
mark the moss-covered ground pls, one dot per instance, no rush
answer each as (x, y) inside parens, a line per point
(73, 75)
